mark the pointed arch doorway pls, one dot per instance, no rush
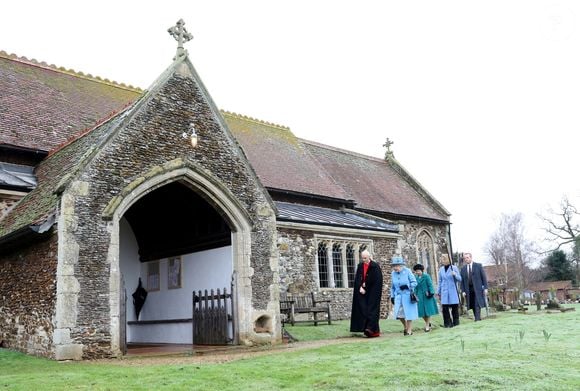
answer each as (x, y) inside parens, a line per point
(177, 232)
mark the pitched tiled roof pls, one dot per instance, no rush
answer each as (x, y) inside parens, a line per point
(41, 106)
(285, 162)
(280, 160)
(41, 203)
(375, 184)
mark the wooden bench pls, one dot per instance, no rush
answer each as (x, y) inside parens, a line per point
(303, 303)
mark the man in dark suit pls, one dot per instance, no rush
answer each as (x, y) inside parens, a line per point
(473, 285)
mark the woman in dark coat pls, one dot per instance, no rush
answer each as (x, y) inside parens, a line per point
(366, 298)
(425, 292)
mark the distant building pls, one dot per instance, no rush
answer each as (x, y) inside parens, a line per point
(562, 290)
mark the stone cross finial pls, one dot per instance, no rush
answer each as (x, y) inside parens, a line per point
(181, 36)
(388, 144)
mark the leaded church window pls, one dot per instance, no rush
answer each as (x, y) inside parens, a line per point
(337, 260)
(323, 265)
(350, 264)
(337, 265)
(426, 255)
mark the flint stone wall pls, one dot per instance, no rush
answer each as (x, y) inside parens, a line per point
(297, 249)
(410, 231)
(27, 298)
(151, 139)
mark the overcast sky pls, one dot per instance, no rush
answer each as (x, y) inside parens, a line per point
(481, 98)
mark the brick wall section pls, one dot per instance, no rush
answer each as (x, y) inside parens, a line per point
(297, 250)
(27, 298)
(153, 137)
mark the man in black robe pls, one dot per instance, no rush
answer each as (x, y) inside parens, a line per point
(366, 298)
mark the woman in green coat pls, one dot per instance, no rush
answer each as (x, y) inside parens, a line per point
(425, 292)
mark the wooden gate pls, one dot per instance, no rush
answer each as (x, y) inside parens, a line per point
(213, 317)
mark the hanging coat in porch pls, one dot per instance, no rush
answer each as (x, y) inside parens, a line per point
(139, 297)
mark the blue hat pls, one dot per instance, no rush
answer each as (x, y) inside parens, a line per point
(397, 260)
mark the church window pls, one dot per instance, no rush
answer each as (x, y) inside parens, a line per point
(153, 276)
(323, 265)
(337, 265)
(350, 264)
(425, 252)
(337, 260)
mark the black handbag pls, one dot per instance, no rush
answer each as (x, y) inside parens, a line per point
(413, 298)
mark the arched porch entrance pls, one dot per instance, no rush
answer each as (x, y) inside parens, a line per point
(178, 232)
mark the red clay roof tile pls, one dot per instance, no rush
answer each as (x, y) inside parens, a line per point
(42, 107)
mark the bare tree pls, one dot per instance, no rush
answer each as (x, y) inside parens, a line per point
(563, 231)
(511, 251)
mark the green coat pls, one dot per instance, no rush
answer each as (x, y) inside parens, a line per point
(426, 306)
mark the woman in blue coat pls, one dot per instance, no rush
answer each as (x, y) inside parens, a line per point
(403, 283)
(449, 276)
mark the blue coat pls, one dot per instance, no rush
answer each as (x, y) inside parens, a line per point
(447, 288)
(403, 297)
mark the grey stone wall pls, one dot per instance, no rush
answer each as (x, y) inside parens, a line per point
(297, 251)
(410, 231)
(147, 142)
(27, 298)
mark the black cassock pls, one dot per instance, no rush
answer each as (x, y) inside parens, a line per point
(366, 308)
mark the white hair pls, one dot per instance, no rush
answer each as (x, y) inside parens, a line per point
(366, 252)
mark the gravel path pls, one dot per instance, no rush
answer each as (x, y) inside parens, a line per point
(227, 355)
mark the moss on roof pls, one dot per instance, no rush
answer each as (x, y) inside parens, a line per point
(64, 102)
(51, 174)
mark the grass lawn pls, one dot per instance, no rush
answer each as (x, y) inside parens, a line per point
(511, 351)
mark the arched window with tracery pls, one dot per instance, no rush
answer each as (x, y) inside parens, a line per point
(426, 255)
(337, 265)
(337, 259)
(323, 265)
(351, 262)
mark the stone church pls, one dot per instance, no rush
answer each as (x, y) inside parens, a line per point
(104, 187)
